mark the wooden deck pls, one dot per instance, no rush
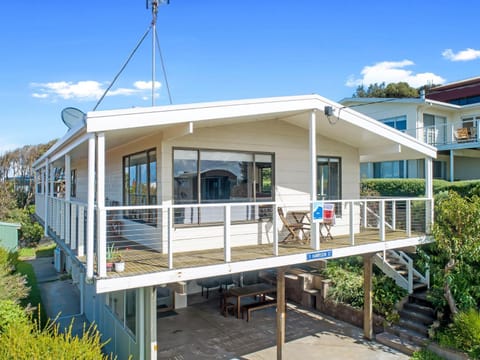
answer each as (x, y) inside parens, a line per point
(140, 260)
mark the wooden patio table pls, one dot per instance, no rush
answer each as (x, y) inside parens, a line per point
(250, 290)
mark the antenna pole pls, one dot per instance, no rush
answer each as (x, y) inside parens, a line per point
(154, 22)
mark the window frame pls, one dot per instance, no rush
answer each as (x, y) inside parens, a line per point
(144, 216)
(253, 183)
(396, 120)
(122, 316)
(338, 210)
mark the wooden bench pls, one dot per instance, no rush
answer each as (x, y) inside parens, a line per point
(249, 308)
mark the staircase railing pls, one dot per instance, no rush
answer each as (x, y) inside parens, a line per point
(407, 281)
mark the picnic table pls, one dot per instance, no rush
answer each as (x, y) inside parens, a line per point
(261, 289)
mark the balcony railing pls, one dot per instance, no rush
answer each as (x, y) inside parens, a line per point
(181, 236)
(460, 132)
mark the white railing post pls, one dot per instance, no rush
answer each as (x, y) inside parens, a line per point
(382, 220)
(409, 218)
(170, 233)
(410, 275)
(365, 214)
(351, 225)
(63, 206)
(394, 215)
(275, 229)
(81, 231)
(226, 233)
(73, 227)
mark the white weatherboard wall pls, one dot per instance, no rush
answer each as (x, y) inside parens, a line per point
(289, 143)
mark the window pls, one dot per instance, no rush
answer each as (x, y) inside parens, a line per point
(123, 306)
(398, 122)
(439, 169)
(328, 178)
(140, 185)
(390, 169)
(216, 176)
(73, 183)
(329, 181)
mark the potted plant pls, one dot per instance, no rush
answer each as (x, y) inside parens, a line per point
(112, 253)
(119, 263)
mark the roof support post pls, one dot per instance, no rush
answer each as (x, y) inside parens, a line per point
(101, 213)
(90, 206)
(367, 300)
(280, 311)
(46, 192)
(452, 165)
(68, 186)
(314, 238)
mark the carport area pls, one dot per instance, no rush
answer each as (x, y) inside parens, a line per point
(200, 331)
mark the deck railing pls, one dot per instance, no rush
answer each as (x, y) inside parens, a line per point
(203, 228)
(459, 132)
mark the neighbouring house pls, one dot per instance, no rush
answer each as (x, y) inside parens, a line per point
(189, 192)
(447, 118)
(9, 235)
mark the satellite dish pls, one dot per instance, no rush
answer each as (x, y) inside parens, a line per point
(72, 116)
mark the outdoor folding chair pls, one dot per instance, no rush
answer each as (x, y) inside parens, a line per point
(294, 229)
(328, 221)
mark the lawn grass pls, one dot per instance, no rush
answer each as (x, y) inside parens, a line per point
(37, 251)
(23, 267)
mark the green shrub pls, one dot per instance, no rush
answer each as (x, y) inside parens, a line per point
(425, 354)
(464, 333)
(347, 286)
(29, 341)
(386, 293)
(398, 187)
(32, 232)
(10, 313)
(416, 187)
(13, 286)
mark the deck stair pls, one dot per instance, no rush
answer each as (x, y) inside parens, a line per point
(410, 334)
(399, 266)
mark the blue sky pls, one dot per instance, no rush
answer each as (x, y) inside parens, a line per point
(57, 54)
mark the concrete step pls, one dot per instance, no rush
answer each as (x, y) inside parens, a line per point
(420, 309)
(414, 316)
(397, 343)
(420, 297)
(414, 326)
(407, 335)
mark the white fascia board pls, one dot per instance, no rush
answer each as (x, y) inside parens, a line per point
(55, 147)
(168, 115)
(172, 276)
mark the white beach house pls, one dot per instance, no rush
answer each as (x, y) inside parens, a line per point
(187, 192)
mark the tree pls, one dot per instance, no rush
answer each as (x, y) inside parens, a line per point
(392, 90)
(16, 168)
(457, 235)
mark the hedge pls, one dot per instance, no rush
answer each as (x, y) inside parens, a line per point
(416, 187)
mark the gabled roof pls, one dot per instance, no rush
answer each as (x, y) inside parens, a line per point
(372, 138)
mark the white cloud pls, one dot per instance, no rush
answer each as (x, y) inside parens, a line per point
(463, 55)
(393, 72)
(86, 90)
(146, 85)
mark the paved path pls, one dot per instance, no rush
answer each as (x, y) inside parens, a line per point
(60, 296)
